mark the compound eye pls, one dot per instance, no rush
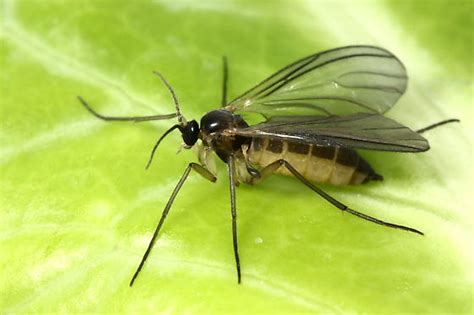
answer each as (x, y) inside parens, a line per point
(190, 133)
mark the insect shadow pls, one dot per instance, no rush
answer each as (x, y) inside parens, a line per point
(317, 111)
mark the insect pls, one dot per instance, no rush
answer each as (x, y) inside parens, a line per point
(315, 111)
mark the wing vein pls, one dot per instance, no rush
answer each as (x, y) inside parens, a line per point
(341, 81)
(286, 81)
(269, 103)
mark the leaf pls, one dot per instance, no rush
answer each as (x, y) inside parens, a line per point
(78, 208)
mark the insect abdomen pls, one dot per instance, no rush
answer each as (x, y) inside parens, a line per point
(322, 164)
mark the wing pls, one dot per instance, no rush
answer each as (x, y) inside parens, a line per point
(340, 81)
(358, 131)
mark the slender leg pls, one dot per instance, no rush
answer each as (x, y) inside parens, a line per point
(266, 172)
(437, 125)
(230, 164)
(132, 118)
(224, 81)
(192, 166)
(272, 167)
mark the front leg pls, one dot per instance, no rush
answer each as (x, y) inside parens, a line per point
(192, 166)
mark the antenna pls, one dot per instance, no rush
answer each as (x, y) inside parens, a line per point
(182, 121)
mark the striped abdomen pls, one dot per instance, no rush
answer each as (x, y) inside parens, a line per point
(322, 164)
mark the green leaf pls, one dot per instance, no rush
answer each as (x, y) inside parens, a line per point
(78, 208)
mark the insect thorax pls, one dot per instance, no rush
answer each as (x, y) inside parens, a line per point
(212, 125)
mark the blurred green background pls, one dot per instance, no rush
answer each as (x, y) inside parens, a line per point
(78, 208)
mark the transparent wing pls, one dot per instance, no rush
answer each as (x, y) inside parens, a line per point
(340, 81)
(358, 131)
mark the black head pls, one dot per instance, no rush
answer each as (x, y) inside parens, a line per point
(190, 132)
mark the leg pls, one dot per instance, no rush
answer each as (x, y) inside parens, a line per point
(269, 169)
(198, 168)
(230, 164)
(224, 81)
(266, 171)
(437, 125)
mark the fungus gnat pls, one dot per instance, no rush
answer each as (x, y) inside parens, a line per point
(316, 112)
